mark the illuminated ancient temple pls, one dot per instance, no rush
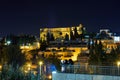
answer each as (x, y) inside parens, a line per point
(59, 32)
(66, 43)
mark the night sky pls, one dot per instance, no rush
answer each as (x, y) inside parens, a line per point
(28, 16)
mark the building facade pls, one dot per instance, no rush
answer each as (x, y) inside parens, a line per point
(66, 44)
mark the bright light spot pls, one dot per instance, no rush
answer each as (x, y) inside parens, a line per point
(63, 68)
(26, 71)
(29, 65)
(118, 63)
(91, 42)
(54, 72)
(116, 39)
(50, 77)
(0, 66)
(62, 61)
(8, 42)
(40, 63)
(29, 68)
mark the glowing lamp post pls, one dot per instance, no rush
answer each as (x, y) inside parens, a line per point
(29, 69)
(40, 63)
(50, 77)
(29, 66)
(0, 68)
(118, 64)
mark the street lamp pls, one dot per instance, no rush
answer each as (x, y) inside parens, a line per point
(50, 77)
(29, 67)
(118, 64)
(40, 63)
(0, 68)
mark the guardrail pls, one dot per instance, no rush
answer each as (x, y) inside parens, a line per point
(91, 69)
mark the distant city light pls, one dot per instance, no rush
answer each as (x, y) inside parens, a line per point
(8, 42)
(118, 63)
(116, 39)
(54, 72)
(50, 76)
(91, 42)
(40, 63)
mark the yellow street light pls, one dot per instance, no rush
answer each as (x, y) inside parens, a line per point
(25, 71)
(29, 66)
(50, 77)
(118, 63)
(40, 63)
(0, 67)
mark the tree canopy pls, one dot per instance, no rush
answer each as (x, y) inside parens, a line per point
(12, 55)
(98, 56)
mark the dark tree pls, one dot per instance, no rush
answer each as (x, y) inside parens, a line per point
(71, 62)
(67, 37)
(26, 39)
(82, 34)
(97, 54)
(75, 33)
(43, 46)
(113, 57)
(83, 30)
(71, 35)
(52, 37)
(92, 35)
(35, 55)
(92, 56)
(91, 39)
(48, 37)
(52, 59)
(60, 33)
(13, 55)
(3, 56)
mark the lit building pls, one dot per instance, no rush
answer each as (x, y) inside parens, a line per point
(59, 33)
(26, 42)
(107, 39)
(28, 47)
(65, 51)
(66, 44)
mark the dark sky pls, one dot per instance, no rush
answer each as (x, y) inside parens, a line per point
(27, 16)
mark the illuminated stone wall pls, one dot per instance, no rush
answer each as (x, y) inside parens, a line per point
(25, 48)
(107, 42)
(72, 51)
(58, 32)
(69, 53)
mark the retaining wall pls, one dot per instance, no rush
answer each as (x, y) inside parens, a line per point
(68, 76)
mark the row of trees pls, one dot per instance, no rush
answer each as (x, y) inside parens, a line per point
(19, 40)
(74, 34)
(8, 72)
(11, 55)
(11, 62)
(98, 55)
